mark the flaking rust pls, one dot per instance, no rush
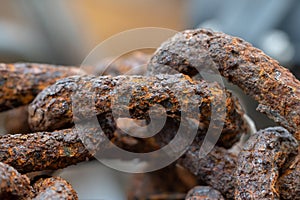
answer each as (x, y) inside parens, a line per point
(21, 82)
(260, 162)
(234, 176)
(54, 188)
(289, 181)
(59, 149)
(204, 193)
(273, 86)
(43, 150)
(14, 185)
(216, 169)
(266, 168)
(52, 109)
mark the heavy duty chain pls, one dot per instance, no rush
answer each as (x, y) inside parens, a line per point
(267, 167)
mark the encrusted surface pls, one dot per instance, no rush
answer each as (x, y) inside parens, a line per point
(54, 188)
(273, 86)
(52, 109)
(260, 161)
(216, 169)
(289, 182)
(21, 82)
(13, 185)
(43, 150)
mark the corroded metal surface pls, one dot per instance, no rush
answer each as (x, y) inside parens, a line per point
(216, 169)
(203, 193)
(267, 151)
(52, 109)
(59, 149)
(54, 188)
(260, 161)
(289, 182)
(21, 82)
(274, 87)
(13, 185)
(43, 150)
(267, 167)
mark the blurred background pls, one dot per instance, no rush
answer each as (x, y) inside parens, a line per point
(65, 31)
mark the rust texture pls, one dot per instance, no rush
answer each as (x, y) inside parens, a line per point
(216, 169)
(59, 149)
(54, 188)
(289, 182)
(43, 150)
(273, 86)
(13, 185)
(266, 168)
(204, 193)
(52, 109)
(21, 82)
(260, 161)
(223, 171)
